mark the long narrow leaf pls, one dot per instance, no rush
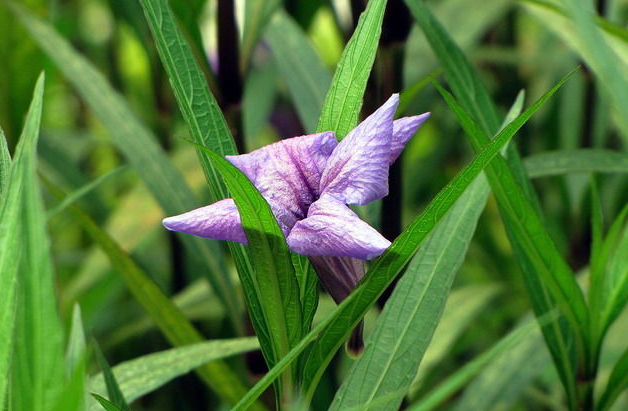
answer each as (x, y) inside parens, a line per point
(560, 162)
(145, 374)
(617, 383)
(344, 98)
(5, 162)
(38, 364)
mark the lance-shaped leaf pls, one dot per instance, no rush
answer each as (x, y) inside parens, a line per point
(330, 333)
(560, 162)
(344, 98)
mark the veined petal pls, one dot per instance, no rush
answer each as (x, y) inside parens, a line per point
(357, 170)
(288, 173)
(220, 221)
(332, 229)
(403, 130)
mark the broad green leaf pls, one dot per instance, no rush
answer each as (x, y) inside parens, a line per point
(257, 13)
(276, 282)
(75, 351)
(205, 120)
(344, 98)
(462, 376)
(548, 278)
(173, 324)
(390, 264)
(147, 373)
(297, 60)
(330, 333)
(139, 146)
(106, 404)
(83, 191)
(463, 307)
(113, 389)
(616, 385)
(559, 162)
(5, 162)
(38, 369)
(407, 323)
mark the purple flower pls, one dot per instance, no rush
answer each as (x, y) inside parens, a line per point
(308, 182)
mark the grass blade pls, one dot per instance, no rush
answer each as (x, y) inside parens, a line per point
(145, 374)
(297, 60)
(75, 352)
(344, 98)
(38, 366)
(5, 162)
(560, 162)
(617, 383)
(461, 377)
(257, 13)
(83, 191)
(333, 331)
(106, 404)
(408, 321)
(139, 146)
(113, 389)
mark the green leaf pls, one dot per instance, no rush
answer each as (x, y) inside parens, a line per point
(330, 333)
(617, 383)
(462, 376)
(38, 368)
(202, 114)
(407, 323)
(308, 289)
(297, 60)
(578, 24)
(548, 278)
(75, 352)
(5, 162)
(106, 404)
(344, 98)
(552, 163)
(147, 373)
(113, 389)
(140, 148)
(463, 307)
(276, 282)
(502, 381)
(395, 258)
(83, 191)
(522, 225)
(171, 321)
(257, 13)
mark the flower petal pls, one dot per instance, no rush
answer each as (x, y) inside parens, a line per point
(287, 173)
(220, 221)
(332, 229)
(357, 170)
(403, 130)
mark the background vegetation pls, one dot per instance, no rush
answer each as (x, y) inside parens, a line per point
(86, 263)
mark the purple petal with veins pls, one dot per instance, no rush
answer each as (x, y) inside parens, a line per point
(357, 170)
(403, 130)
(220, 221)
(332, 229)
